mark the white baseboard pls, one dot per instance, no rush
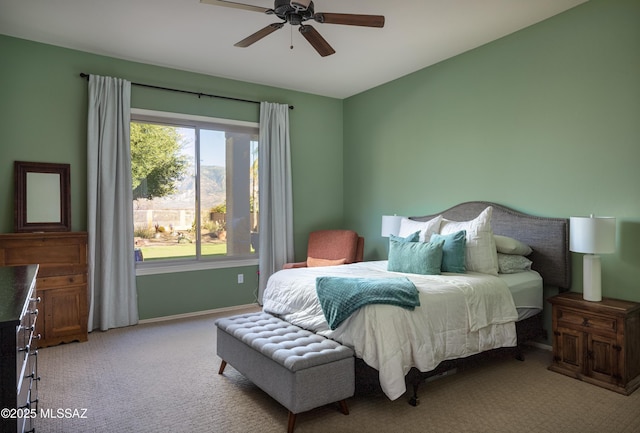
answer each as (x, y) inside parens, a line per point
(199, 313)
(539, 345)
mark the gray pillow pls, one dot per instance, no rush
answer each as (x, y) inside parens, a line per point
(511, 263)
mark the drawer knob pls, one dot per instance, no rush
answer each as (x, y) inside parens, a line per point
(32, 376)
(29, 403)
(585, 322)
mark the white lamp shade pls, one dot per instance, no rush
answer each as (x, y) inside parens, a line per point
(390, 225)
(592, 235)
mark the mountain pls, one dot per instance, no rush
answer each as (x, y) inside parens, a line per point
(212, 182)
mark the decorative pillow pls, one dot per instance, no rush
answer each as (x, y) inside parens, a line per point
(314, 263)
(511, 263)
(481, 255)
(507, 245)
(415, 257)
(453, 251)
(426, 228)
(413, 237)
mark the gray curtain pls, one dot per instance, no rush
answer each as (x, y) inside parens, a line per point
(276, 202)
(112, 278)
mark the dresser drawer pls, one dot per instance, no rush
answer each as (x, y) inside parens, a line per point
(61, 281)
(586, 322)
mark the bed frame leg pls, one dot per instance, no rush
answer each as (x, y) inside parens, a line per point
(414, 400)
(223, 364)
(415, 379)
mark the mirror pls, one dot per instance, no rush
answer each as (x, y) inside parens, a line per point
(42, 197)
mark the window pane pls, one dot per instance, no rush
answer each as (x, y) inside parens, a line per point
(229, 188)
(164, 191)
(213, 193)
(195, 187)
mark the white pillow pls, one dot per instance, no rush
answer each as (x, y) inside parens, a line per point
(427, 228)
(481, 255)
(507, 245)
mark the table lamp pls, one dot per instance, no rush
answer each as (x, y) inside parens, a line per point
(592, 236)
(390, 225)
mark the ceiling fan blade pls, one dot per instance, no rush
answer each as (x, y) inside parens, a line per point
(316, 40)
(350, 19)
(249, 40)
(235, 5)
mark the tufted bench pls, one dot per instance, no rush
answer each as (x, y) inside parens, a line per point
(299, 369)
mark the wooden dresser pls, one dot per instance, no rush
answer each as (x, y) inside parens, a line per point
(61, 282)
(18, 354)
(597, 342)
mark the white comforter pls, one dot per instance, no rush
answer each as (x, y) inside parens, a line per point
(459, 315)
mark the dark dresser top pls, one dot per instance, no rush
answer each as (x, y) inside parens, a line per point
(15, 284)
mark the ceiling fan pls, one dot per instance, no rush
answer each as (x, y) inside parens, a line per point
(296, 13)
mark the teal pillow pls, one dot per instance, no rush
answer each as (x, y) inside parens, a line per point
(453, 251)
(413, 237)
(415, 257)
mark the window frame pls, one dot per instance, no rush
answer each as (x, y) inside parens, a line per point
(193, 121)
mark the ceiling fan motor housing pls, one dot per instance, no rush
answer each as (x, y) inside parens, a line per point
(300, 5)
(293, 12)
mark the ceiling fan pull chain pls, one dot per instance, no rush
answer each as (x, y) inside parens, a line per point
(291, 47)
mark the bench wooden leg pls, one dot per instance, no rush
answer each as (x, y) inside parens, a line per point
(292, 422)
(223, 364)
(343, 407)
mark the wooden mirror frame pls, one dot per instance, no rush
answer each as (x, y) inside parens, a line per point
(22, 221)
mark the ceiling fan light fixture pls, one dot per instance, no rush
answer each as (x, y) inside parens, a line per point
(300, 5)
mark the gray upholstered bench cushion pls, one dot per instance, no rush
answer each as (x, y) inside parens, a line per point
(298, 368)
(290, 346)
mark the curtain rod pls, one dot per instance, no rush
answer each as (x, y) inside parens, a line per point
(198, 94)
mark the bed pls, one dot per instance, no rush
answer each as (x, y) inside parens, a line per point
(455, 315)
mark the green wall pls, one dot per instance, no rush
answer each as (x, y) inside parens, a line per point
(546, 121)
(43, 110)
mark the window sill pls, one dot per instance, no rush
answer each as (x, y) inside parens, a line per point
(188, 266)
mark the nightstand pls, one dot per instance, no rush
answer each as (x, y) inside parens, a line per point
(597, 342)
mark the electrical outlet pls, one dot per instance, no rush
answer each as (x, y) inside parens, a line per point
(240, 278)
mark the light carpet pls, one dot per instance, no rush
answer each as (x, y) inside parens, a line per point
(162, 377)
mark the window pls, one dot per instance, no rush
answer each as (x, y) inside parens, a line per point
(195, 188)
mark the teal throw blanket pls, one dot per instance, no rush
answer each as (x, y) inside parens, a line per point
(340, 297)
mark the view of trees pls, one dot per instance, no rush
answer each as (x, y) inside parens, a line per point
(156, 161)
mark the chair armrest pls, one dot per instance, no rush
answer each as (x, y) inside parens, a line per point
(295, 265)
(360, 249)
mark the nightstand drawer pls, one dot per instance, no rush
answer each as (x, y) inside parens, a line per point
(586, 322)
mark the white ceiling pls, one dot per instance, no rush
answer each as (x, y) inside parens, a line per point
(189, 35)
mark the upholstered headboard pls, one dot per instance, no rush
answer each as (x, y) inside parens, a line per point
(547, 237)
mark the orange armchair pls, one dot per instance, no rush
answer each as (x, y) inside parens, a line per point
(331, 247)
